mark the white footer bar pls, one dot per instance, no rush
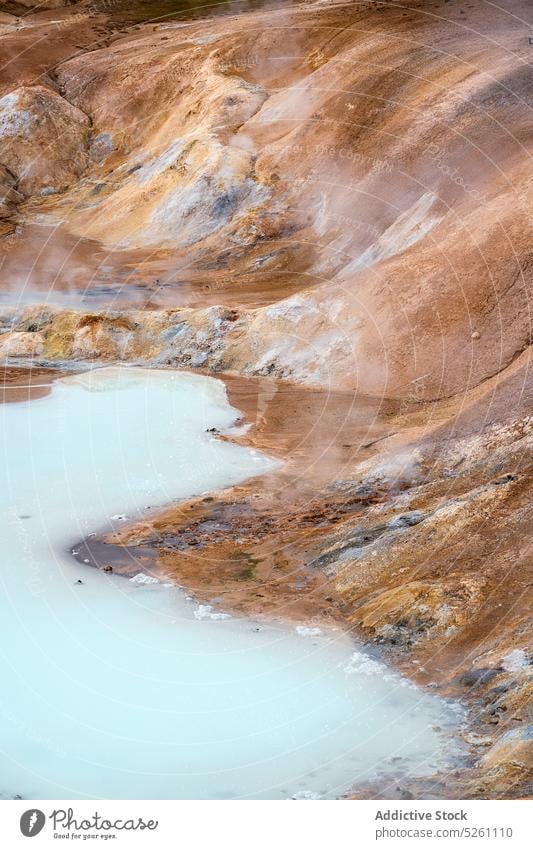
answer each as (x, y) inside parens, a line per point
(267, 825)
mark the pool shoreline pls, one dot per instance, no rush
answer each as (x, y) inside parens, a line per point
(323, 612)
(309, 638)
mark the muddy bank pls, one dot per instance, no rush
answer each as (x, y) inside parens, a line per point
(369, 524)
(23, 384)
(261, 693)
(251, 537)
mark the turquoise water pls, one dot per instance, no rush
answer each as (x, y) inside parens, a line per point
(117, 689)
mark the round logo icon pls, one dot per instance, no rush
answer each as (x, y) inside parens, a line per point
(32, 822)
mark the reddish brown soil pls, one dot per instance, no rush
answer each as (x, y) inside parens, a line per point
(23, 384)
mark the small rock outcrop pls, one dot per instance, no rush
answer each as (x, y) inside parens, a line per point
(43, 140)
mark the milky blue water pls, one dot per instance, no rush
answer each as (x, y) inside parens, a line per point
(115, 689)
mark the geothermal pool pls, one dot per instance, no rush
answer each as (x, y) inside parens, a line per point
(123, 690)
